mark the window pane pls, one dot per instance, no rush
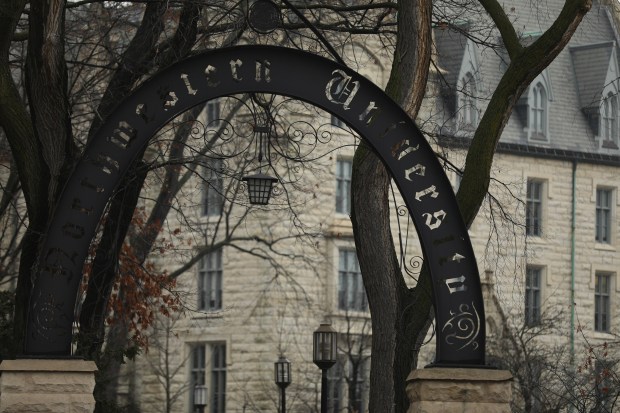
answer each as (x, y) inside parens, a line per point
(532, 296)
(343, 186)
(357, 383)
(468, 109)
(602, 315)
(210, 281)
(197, 373)
(213, 188)
(538, 112)
(335, 377)
(603, 215)
(351, 293)
(218, 378)
(533, 218)
(213, 113)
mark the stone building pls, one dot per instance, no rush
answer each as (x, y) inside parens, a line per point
(547, 240)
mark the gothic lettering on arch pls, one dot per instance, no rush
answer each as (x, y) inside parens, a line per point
(456, 257)
(384, 126)
(434, 220)
(456, 284)
(105, 163)
(403, 148)
(86, 183)
(188, 85)
(58, 263)
(417, 169)
(142, 110)
(234, 69)
(169, 98)
(428, 191)
(341, 89)
(263, 71)
(370, 114)
(77, 206)
(210, 72)
(123, 135)
(73, 230)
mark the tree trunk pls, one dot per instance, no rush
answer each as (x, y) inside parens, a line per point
(389, 299)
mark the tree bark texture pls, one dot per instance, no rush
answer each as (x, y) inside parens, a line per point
(388, 296)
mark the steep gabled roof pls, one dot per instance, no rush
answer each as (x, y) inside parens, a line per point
(591, 64)
(450, 47)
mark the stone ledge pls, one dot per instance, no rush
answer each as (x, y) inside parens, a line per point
(459, 390)
(458, 407)
(47, 385)
(69, 365)
(459, 374)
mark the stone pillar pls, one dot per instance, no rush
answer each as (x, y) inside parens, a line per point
(459, 390)
(44, 385)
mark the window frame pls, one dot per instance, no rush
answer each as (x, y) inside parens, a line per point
(210, 281)
(335, 386)
(534, 207)
(359, 379)
(602, 301)
(212, 202)
(468, 99)
(213, 112)
(217, 394)
(603, 215)
(538, 113)
(344, 171)
(351, 292)
(533, 295)
(216, 372)
(342, 385)
(609, 129)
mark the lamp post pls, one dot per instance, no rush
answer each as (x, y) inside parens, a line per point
(283, 378)
(200, 397)
(324, 346)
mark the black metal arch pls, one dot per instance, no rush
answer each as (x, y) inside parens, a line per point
(459, 307)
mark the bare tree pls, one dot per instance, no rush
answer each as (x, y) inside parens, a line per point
(75, 75)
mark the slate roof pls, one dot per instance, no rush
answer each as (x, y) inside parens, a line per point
(577, 77)
(450, 46)
(591, 63)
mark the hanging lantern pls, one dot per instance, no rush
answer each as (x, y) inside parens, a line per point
(259, 188)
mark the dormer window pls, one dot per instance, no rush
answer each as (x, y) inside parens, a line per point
(538, 113)
(532, 109)
(598, 90)
(461, 82)
(469, 92)
(609, 121)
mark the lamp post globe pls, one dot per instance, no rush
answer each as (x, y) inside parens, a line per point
(282, 371)
(324, 349)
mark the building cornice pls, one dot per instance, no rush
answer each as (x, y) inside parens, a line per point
(537, 151)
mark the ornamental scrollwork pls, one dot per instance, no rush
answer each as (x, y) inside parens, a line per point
(463, 327)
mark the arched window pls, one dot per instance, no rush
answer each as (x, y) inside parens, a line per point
(538, 112)
(468, 108)
(609, 118)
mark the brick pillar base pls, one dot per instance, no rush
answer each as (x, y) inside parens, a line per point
(43, 385)
(459, 390)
